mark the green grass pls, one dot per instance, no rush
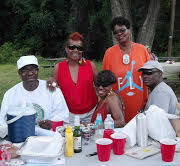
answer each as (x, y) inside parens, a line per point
(9, 77)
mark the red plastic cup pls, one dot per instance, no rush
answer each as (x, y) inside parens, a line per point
(103, 148)
(0, 154)
(55, 124)
(119, 141)
(168, 149)
(107, 134)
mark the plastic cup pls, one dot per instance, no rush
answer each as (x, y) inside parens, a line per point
(1, 154)
(55, 124)
(103, 148)
(107, 134)
(119, 141)
(168, 149)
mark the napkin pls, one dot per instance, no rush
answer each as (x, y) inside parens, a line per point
(142, 152)
(130, 130)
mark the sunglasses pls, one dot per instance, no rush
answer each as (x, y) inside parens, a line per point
(73, 47)
(122, 30)
(102, 84)
(149, 72)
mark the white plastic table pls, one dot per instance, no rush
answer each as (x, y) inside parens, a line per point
(170, 69)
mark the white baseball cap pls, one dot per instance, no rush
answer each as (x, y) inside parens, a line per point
(151, 65)
(27, 60)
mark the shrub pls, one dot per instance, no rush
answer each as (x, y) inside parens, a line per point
(9, 53)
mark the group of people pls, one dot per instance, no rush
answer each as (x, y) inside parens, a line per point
(76, 85)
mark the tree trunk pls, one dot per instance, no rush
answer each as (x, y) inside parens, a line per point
(147, 32)
(121, 8)
(80, 19)
(80, 22)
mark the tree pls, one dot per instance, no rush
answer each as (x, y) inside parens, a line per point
(146, 33)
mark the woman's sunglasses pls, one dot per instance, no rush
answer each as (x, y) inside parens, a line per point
(97, 84)
(73, 47)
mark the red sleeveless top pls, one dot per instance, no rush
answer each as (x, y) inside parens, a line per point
(80, 98)
(102, 109)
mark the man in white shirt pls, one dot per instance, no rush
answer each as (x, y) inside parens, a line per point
(49, 105)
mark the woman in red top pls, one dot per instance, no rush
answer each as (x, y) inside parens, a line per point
(110, 102)
(75, 77)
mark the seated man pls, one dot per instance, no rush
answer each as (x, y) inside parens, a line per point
(50, 105)
(161, 94)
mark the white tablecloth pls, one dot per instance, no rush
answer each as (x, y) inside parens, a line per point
(80, 159)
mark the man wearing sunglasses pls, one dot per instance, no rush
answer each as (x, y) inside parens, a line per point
(161, 94)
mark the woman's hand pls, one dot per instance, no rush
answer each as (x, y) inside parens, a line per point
(51, 84)
(45, 124)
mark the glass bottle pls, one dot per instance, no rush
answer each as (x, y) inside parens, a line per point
(77, 136)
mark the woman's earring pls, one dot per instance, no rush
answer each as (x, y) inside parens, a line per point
(82, 61)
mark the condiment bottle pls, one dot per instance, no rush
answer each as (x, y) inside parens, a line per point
(69, 142)
(77, 136)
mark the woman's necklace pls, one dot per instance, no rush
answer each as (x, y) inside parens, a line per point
(126, 57)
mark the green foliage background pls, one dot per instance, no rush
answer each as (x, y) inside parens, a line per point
(41, 27)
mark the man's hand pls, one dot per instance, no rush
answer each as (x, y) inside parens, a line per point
(176, 126)
(12, 150)
(45, 124)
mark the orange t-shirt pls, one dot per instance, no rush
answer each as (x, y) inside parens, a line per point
(129, 81)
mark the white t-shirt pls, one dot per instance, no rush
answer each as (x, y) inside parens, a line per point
(52, 104)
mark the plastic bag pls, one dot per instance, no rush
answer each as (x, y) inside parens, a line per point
(159, 126)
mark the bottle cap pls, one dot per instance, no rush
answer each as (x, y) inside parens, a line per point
(68, 129)
(140, 111)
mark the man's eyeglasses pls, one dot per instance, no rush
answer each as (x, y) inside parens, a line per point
(26, 71)
(149, 72)
(122, 30)
(73, 47)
